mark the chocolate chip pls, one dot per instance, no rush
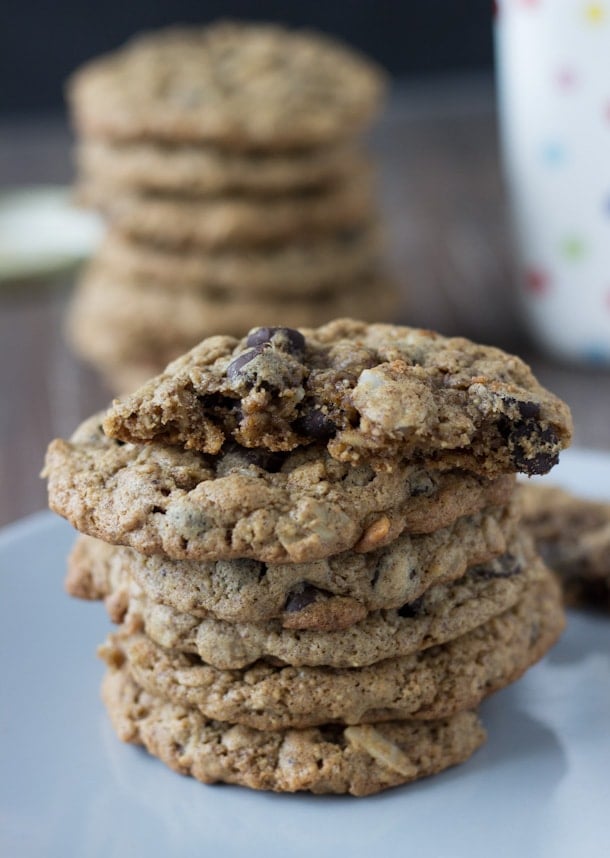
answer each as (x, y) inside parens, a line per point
(285, 339)
(521, 437)
(210, 401)
(235, 367)
(301, 598)
(332, 733)
(506, 566)
(266, 459)
(315, 424)
(422, 484)
(529, 410)
(411, 609)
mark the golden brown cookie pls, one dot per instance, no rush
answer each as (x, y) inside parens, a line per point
(145, 165)
(302, 268)
(441, 613)
(237, 221)
(434, 683)
(360, 759)
(326, 594)
(244, 86)
(113, 318)
(573, 535)
(366, 390)
(296, 507)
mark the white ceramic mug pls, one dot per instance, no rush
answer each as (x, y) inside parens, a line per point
(553, 72)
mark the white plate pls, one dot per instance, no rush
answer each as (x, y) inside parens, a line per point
(539, 788)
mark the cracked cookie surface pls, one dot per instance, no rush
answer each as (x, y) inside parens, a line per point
(368, 391)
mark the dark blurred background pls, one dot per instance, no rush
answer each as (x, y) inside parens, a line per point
(42, 42)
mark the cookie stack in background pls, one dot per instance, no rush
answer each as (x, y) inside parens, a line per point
(311, 541)
(572, 534)
(228, 164)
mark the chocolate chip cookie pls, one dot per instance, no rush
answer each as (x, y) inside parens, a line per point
(366, 391)
(113, 317)
(441, 613)
(433, 683)
(360, 759)
(326, 595)
(274, 507)
(243, 86)
(573, 535)
(296, 268)
(145, 165)
(237, 221)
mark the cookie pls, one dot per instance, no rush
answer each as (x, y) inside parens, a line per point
(302, 268)
(296, 507)
(433, 683)
(327, 594)
(367, 391)
(113, 318)
(145, 165)
(238, 221)
(360, 760)
(243, 86)
(441, 613)
(573, 535)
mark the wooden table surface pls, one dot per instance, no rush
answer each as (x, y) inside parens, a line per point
(448, 243)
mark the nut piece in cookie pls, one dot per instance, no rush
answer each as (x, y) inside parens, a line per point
(371, 392)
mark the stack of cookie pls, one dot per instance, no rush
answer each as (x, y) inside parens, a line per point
(227, 163)
(311, 541)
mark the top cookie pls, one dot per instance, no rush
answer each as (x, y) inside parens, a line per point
(370, 392)
(247, 86)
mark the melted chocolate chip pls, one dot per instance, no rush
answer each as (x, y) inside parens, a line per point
(301, 598)
(315, 424)
(266, 459)
(332, 733)
(529, 410)
(285, 339)
(411, 609)
(521, 436)
(210, 401)
(235, 367)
